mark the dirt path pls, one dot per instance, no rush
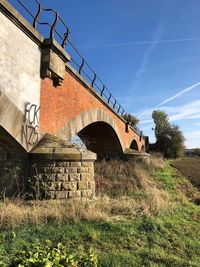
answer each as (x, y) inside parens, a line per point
(190, 168)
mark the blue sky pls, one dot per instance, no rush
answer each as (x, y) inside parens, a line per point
(146, 52)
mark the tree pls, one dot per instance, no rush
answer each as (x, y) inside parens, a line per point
(176, 142)
(169, 138)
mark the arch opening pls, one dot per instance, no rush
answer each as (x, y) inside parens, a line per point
(101, 138)
(134, 145)
(13, 162)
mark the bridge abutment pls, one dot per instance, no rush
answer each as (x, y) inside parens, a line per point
(60, 170)
(54, 169)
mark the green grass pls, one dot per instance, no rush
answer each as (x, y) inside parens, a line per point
(169, 239)
(166, 178)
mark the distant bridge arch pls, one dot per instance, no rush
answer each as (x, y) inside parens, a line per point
(134, 145)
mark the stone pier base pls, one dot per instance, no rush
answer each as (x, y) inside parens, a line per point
(59, 170)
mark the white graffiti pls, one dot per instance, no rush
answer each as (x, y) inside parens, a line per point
(30, 128)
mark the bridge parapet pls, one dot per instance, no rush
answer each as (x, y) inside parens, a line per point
(78, 63)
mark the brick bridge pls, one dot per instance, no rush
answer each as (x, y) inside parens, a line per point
(43, 89)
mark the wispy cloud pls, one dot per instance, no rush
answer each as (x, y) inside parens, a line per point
(192, 139)
(180, 93)
(176, 113)
(194, 134)
(139, 43)
(185, 112)
(146, 56)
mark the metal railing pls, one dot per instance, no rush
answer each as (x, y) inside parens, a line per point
(77, 61)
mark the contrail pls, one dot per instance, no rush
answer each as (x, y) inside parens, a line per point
(187, 89)
(140, 43)
(147, 54)
(179, 94)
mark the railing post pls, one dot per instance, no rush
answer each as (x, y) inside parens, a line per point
(92, 84)
(80, 69)
(54, 25)
(114, 104)
(109, 98)
(102, 90)
(65, 38)
(37, 16)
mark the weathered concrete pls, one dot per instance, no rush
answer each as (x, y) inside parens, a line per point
(53, 62)
(20, 65)
(19, 77)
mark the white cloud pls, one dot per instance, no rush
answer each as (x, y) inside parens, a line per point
(192, 139)
(194, 134)
(176, 113)
(187, 111)
(179, 94)
(184, 112)
(139, 43)
(146, 56)
(146, 121)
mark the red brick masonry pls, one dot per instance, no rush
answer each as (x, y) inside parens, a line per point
(61, 104)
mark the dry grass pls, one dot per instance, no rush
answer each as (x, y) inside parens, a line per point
(123, 189)
(15, 213)
(157, 161)
(118, 178)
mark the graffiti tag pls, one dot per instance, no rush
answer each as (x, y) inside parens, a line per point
(30, 128)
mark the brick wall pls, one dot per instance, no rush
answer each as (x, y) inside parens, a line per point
(62, 104)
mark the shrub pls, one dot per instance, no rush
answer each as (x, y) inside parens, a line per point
(131, 119)
(47, 255)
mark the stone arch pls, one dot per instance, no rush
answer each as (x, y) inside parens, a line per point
(134, 145)
(89, 117)
(100, 137)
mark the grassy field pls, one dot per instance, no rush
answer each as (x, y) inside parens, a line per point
(190, 168)
(143, 216)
